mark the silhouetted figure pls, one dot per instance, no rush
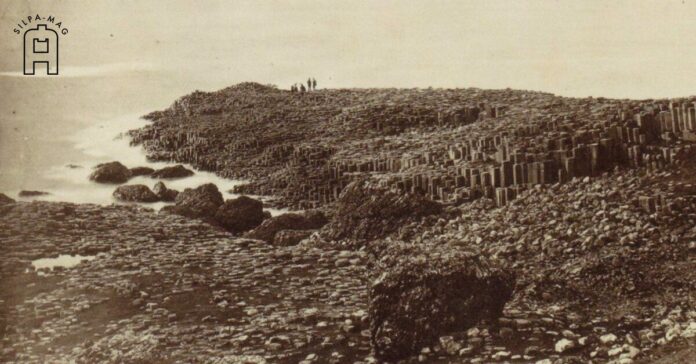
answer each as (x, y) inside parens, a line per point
(309, 84)
(314, 83)
(302, 89)
(293, 88)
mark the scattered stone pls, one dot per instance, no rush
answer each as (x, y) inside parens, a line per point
(177, 171)
(135, 193)
(112, 172)
(240, 214)
(201, 202)
(164, 193)
(564, 345)
(608, 339)
(309, 220)
(141, 171)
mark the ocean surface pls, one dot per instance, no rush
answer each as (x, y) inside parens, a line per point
(53, 130)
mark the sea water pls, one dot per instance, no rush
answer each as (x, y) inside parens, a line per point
(53, 131)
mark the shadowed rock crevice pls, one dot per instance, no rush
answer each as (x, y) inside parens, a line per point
(424, 292)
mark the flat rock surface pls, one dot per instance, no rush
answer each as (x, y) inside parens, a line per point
(163, 288)
(166, 288)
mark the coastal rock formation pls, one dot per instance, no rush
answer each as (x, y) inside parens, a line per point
(135, 193)
(240, 214)
(4, 199)
(164, 193)
(589, 203)
(112, 172)
(365, 211)
(201, 202)
(25, 193)
(309, 220)
(163, 288)
(141, 171)
(450, 145)
(177, 171)
(425, 292)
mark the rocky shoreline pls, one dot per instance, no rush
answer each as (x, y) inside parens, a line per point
(442, 226)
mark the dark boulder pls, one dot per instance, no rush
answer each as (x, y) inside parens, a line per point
(240, 214)
(291, 237)
(32, 193)
(365, 212)
(135, 193)
(201, 202)
(177, 171)
(4, 199)
(112, 172)
(308, 220)
(424, 292)
(141, 171)
(164, 193)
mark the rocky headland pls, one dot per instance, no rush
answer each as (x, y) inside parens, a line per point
(464, 225)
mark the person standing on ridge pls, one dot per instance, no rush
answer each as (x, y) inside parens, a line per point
(302, 88)
(314, 84)
(309, 84)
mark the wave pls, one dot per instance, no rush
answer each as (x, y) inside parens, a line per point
(91, 71)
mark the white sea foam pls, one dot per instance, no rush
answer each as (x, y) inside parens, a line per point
(107, 141)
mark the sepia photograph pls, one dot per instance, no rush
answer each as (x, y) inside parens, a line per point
(361, 182)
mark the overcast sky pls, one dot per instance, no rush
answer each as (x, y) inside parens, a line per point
(635, 49)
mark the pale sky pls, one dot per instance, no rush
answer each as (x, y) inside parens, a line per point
(636, 49)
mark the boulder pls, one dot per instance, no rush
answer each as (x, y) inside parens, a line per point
(365, 212)
(308, 220)
(141, 171)
(201, 202)
(24, 193)
(164, 193)
(135, 193)
(4, 199)
(291, 237)
(177, 171)
(112, 172)
(424, 292)
(240, 214)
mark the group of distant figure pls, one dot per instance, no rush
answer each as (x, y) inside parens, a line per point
(311, 86)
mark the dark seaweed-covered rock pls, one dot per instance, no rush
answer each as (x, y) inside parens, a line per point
(164, 193)
(308, 220)
(366, 212)
(141, 171)
(240, 214)
(112, 172)
(24, 193)
(135, 193)
(177, 171)
(200, 202)
(423, 292)
(4, 199)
